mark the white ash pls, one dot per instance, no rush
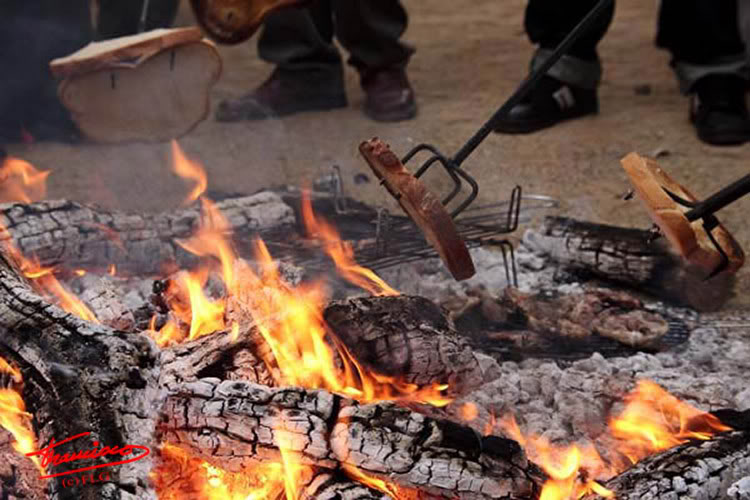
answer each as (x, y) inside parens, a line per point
(740, 490)
(567, 402)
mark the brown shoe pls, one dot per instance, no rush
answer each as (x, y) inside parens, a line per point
(390, 97)
(285, 93)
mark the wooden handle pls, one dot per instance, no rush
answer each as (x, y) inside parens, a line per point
(424, 208)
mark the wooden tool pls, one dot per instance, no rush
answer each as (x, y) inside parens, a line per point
(695, 235)
(424, 208)
(153, 86)
(234, 21)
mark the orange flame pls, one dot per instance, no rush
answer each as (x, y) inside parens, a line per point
(652, 421)
(21, 182)
(43, 279)
(342, 253)
(290, 320)
(562, 464)
(179, 476)
(14, 418)
(375, 483)
(191, 170)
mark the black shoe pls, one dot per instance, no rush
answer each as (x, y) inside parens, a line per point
(285, 93)
(718, 110)
(549, 103)
(390, 97)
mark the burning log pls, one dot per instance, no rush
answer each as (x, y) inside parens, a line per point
(219, 355)
(81, 377)
(698, 469)
(630, 257)
(407, 337)
(233, 424)
(92, 238)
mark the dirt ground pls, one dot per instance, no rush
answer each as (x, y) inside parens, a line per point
(470, 56)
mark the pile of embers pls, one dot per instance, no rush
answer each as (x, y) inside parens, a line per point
(168, 366)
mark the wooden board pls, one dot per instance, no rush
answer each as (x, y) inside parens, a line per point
(689, 239)
(161, 98)
(123, 52)
(424, 208)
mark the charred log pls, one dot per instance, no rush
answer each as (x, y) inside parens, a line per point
(630, 257)
(405, 337)
(81, 377)
(236, 424)
(696, 470)
(219, 356)
(93, 238)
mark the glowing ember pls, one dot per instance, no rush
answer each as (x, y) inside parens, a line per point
(191, 170)
(652, 421)
(469, 412)
(179, 476)
(21, 182)
(14, 418)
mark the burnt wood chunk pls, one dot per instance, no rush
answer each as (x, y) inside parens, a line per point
(81, 377)
(629, 257)
(405, 337)
(698, 469)
(76, 235)
(234, 424)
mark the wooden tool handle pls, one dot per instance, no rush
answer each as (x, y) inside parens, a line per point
(424, 208)
(234, 21)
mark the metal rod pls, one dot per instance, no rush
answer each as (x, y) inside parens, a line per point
(530, 82)
(144, 17)
(721, 199)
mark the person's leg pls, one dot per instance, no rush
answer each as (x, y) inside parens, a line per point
(28, 92)
(308, 73)
(709, 59)
(371, 31)
(569, 88)
(300, 39)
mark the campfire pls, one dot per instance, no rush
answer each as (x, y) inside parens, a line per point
(232, 377)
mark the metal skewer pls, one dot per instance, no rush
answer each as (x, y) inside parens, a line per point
(453, 164)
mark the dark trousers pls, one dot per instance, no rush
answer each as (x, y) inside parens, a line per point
(370, 30)
(122, 17)
(32, 33)
(702, 35)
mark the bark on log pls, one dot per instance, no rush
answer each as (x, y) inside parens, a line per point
(236, 424)
(700, 470)
(217, 356)
(64, 232)
(405, 337)
(627, 257)
(81, 377)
